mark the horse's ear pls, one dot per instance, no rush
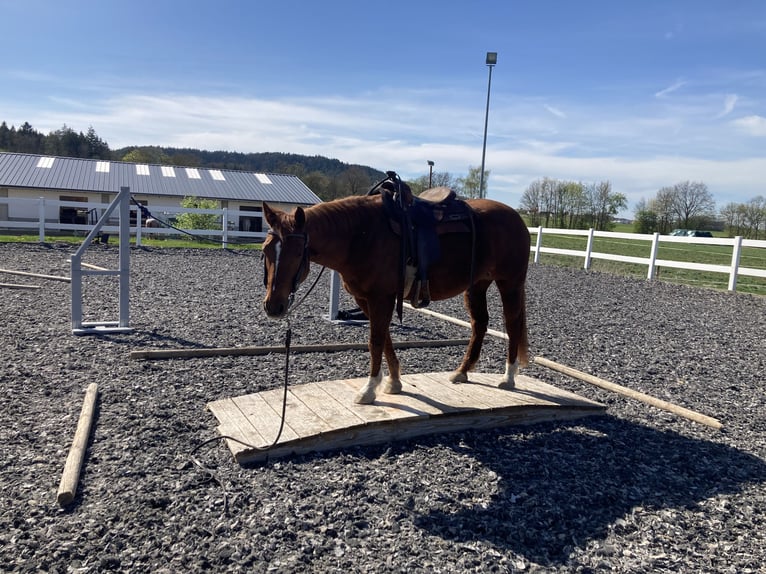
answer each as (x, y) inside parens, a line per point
(300, 218)
(270, 215)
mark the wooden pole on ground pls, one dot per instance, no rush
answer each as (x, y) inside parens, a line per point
(252, 351)
(619, 389)
(18, 286)
(27, 274)
(71, 475)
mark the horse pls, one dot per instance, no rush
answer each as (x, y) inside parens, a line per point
(354, 236)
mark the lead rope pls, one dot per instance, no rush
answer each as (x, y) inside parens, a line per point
(288, 340)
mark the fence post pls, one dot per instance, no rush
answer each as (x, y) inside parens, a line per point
(589, 248)
(653, 255)
(334, 295)
(41, 218)
(735, 254)
(225, 234)
(138, 224)
(538, 243)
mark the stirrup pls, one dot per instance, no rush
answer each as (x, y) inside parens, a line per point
(421, 296)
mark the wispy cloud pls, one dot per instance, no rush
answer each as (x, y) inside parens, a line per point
(670, 89)
(728, 105)
(555, 111)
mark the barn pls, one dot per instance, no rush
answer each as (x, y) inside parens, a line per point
(159, 187)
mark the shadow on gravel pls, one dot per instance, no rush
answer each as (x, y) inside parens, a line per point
(563, 485)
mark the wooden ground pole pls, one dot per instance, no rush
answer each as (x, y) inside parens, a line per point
(71, 475)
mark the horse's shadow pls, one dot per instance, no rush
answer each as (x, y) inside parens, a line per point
(561, 485)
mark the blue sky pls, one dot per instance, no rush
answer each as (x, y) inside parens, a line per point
(644, 94)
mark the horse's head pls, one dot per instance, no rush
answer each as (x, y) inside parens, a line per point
(285, 258)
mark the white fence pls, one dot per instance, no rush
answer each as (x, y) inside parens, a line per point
(651, 261)
(44, 223)
(227, 235)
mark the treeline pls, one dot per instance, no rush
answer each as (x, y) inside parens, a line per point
(328, 178)
(63, 142)
(690, 205)
(571, 205)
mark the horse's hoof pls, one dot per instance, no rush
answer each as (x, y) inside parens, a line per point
(392, 386)
(365, 398)
(458, 377)
(507, 385)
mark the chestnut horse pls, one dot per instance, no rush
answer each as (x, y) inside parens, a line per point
(353, 236)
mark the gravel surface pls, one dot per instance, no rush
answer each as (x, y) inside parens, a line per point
(636, 490)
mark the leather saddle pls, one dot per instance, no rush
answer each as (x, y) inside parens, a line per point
(420, 220)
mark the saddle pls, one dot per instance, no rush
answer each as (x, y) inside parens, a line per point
(420, 220)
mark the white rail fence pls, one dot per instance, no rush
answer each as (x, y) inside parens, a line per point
(734, 269)
(43, 224)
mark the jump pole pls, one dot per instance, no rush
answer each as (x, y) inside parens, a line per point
(619, 389)
(41, 276)
(71, 474)
(602, 383)
(266, 350)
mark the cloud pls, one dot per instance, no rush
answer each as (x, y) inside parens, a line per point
(672, 88)
(752, 125)
(728, 105)
(639, 151)
(555, 111)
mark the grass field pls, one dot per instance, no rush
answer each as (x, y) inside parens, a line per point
(709, 254)
(697, 253)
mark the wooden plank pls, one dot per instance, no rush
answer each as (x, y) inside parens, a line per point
(344, 390)
(436, 387)
(483, 387)
(264, 417)
(235, 423)
(325, 406)
(302, 420)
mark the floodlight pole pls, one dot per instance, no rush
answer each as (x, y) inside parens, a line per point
(430, 173)
(491, 61)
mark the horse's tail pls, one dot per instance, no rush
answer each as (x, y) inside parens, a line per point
(523, 347)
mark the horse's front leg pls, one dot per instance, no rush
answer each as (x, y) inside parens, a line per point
(379, 314)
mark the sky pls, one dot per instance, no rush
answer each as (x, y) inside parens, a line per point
(644, 94)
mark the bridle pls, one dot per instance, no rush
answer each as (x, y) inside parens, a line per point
(302, 268)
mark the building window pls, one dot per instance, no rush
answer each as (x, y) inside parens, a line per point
(252, 222)
(71, 214)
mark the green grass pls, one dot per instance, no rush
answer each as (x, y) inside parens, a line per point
(710, 254)
(698, 253)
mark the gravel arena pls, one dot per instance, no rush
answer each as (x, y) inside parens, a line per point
(635, 490)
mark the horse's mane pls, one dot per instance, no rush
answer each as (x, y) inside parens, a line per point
(343, 216)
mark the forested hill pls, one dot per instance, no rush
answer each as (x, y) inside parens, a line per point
(328, 178)
(272, 162)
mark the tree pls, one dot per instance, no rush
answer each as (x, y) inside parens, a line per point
(354, 181)
(198, 220)
(147, 154)
(755, 216)
(97, 148)
(692, 203)
(662, 206)
(468, 186)
(438, 179)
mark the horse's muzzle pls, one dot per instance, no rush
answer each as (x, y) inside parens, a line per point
(273, 309)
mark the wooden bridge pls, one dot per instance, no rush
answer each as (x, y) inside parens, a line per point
(323, 416)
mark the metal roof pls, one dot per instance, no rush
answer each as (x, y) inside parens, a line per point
(31, 171)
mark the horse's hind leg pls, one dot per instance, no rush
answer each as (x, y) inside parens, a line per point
(476, 303)
(515, 315)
